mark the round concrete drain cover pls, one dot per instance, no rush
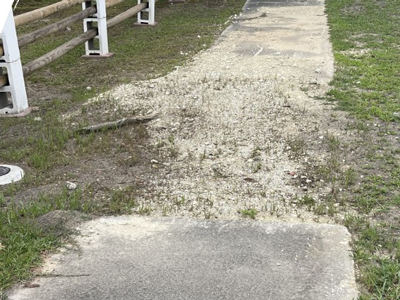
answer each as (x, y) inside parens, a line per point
(10, 174)
(4, 170)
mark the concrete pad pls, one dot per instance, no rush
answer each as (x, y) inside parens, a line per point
(142, 258)
(293, 35)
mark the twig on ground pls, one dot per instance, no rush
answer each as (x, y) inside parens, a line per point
(116, 124)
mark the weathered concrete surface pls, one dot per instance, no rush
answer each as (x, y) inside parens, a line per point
(145, 258)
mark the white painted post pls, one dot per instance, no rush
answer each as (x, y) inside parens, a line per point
(13, 99)
(100, 17)
(150, 10)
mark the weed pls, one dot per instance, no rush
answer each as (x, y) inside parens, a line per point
(250, 213)
(257, 167)
(173, 152)
(122, 201)
(349, 177)
(320, 209)
(297, 147)
(165, 210)
(144, 209)
(308, 201)
(179, 201)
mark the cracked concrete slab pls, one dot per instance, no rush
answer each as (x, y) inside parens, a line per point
(167, 258)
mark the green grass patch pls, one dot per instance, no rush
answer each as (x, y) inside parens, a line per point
(249, 213)
(366, 38)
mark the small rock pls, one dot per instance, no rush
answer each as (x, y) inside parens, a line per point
(153, 161)
(89, 88)
(71, 186)
(37, 119)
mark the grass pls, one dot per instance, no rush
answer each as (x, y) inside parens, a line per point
(48, 147)
(23, 243)
(250, 213)
(366, 38)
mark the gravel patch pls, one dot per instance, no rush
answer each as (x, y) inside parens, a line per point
(229, 120)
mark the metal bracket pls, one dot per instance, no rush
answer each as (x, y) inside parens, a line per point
(98, 46)
(13, 99)
(151, 12)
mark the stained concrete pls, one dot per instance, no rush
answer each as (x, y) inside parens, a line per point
(145, 258)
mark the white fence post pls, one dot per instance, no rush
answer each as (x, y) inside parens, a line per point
(150, 10)
(100, 49)
(13, 99)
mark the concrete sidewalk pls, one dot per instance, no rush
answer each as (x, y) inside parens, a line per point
(144, 258)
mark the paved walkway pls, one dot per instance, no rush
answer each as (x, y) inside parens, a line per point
(131, 257)
(160, 259)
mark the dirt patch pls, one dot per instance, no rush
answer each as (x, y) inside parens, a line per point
(354, 10)
(60, 222)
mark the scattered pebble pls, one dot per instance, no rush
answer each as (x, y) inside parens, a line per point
(71, 186)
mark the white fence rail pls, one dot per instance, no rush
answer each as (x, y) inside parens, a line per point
(13, 98)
